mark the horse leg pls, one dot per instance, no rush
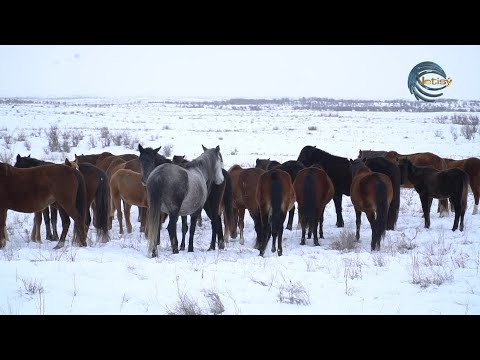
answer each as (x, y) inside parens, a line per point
(140, 214)
(320, 223)
(241, 224)
(443, 207)
(358, 222)
(143, 219)
(65, 225)
(234, 225)
(476, 196)
(193, 222)
(304, 231)
(54, 221)
(3, 228)
(46, 219)
(375, 244)
(117, 205)
(291, 213)
(426, 204)
(172, 231)
(38, 223)
(34, 230)
(315, 233)
(457, 204)
(337, 199)
(126, 209)
(184, 232)
(279, 238)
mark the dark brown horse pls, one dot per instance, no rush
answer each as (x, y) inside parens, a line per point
(371, 193)
(275, 197)
(244, 187)
(313, 191)
(429, 183)
(98, 197)
(92, 158)
(337, 168)
(384, 166)
(472, 167)
(422, 159)
(266, 164)
(33, 189)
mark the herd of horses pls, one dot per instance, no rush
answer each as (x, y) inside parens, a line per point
(91, 188)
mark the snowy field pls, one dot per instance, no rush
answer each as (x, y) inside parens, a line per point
(417, 271)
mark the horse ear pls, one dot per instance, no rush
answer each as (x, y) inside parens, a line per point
(218, 148)
(140, 148)
(204, 148)
(156, 150)
(18, 156)
(29, 155)
(67, 162)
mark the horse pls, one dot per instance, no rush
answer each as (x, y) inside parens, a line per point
(422, 159)
(449, 184)
(472, 167)
(275, 197)
(244, 187)
(127, 185)
(219, 200)
(313, 191)
(92, 158)
(367, 154)
(384, 166)
(372, 193)
(98, 197)
(266, 164)
(33, 189)
(26, 162)
(336, 167)
(179, 191)
(292, 167)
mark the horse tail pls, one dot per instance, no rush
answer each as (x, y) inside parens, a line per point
(395, 205)
(309, 201)
(276, 196)
(228, 202)
(382, 209)
(80, 229)
(101, 208)
(154, 223)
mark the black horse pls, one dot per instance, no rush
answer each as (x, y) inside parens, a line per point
(444, 184)
(337, 168)
(384, 166)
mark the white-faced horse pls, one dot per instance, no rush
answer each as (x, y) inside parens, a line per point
(179, 191)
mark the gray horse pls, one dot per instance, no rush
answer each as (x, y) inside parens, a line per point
(178, 191)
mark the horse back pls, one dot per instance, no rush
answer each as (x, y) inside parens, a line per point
(364, 189)
(247, 182)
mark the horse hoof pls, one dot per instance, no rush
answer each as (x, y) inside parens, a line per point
(211, 248)
(279, 252)
(289, 227)
(316, 243)
(340, 224)
(221, 246)
(302, 242)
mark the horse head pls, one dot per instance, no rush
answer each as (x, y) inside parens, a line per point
(147, 161)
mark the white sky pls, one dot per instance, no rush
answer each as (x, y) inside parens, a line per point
(361, 72)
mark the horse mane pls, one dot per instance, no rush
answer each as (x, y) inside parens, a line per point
(206, 163)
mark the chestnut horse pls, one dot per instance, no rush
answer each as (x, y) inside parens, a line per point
(275, 197)
(244, 186)
(33, 189)
(371, 193)
(472, 167)
(127, 185)
(429, 183)
(313, 191)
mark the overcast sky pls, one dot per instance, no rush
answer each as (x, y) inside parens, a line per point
(350, 72)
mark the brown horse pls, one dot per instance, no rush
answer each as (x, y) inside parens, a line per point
(98, 197)
(266, 164)
(313, 191)
(372, 193)
(127, 185)
(275, 197)
(429, 183)
(33, 189)
(472, 167)
(422, 159)
(244, 186)
(92, 158)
